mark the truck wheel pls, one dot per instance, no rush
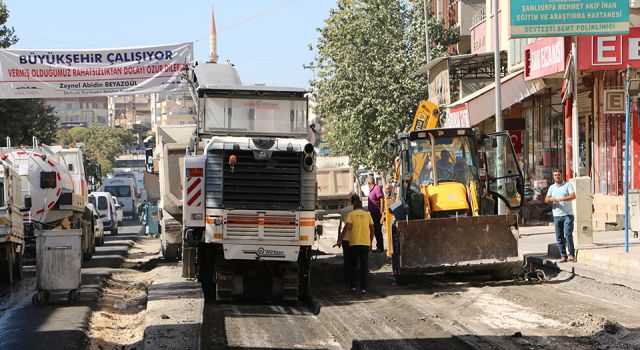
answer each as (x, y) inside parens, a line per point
(6, 266)
(204, 264)
(304, 280)
(17, 266)
(170, 252)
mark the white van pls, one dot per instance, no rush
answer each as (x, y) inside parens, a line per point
(125, 189)
(103, 202)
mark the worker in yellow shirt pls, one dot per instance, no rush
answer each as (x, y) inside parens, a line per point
(360, 225)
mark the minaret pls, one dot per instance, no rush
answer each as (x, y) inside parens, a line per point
(213, 40)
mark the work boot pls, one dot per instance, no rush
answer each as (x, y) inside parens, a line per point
(571, 258)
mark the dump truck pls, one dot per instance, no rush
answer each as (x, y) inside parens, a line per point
(11, 224)
(337, 182)
(171, 146)
(53, 178)
(444, 213)
(249, 194)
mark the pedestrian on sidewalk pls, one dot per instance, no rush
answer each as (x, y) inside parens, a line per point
(343, 239)
(375, 204)
(360, 225)
(560, 195)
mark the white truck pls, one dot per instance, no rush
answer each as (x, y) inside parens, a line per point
(11, 224)
(54, 178)
(249, 195)
(337, 182)
(168, 158)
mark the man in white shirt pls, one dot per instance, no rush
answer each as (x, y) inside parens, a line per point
(560, 194)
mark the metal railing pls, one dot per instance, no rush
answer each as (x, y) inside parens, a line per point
(478, 17)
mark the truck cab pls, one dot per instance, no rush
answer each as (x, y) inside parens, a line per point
(249, 195)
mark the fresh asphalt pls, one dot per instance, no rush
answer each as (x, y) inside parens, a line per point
(59, 324)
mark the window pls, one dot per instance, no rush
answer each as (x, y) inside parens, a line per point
(102, 203)
(119, 191)
(256, 115)
(92, 200)
(516, 51)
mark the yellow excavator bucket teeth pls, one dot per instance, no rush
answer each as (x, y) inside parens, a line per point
(457, 244)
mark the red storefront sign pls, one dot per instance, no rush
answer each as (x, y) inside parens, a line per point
(602, 52)
(544, 57)
(457, 117)
(613, 101)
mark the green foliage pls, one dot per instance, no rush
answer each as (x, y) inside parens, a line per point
(7, 34)
(23, 119)
(367, 53)
(102, 143)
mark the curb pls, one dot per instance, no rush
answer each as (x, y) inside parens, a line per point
(618, 264)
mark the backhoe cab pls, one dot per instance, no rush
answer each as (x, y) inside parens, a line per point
(444, 216)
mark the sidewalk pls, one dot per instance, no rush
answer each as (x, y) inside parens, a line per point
(605, 260)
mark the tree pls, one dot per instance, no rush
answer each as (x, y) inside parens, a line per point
(23, 119)
(7, 35)
(102, 144)
(366, 90)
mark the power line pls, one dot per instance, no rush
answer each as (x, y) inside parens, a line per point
(251, 18)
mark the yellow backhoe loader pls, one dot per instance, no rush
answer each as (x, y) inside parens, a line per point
(444, 216)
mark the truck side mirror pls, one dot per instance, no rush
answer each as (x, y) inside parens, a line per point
(27, 203)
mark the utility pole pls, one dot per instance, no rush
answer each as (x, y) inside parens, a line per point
(496, 66)
(502, 208)
(575, 137)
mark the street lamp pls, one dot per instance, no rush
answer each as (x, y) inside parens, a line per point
(631, 85)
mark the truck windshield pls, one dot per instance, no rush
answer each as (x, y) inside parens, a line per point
(454, 160)
(260, 116)
(118, 191)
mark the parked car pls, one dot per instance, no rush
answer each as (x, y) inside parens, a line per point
(103, 202)
(98, 227)
(118, 209)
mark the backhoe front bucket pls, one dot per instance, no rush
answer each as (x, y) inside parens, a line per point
(456, 244)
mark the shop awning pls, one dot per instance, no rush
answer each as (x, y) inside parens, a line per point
(480, 105)
(473, 65)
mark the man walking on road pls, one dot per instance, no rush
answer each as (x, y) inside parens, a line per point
(376, 207)
(560, 194)
(343, 239)
(360, 226)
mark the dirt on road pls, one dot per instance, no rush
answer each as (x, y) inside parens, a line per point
(119, 320)
(457, 311)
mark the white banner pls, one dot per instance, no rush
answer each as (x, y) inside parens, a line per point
(100, 72)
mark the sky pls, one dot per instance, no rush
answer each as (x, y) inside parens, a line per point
(267, 40)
